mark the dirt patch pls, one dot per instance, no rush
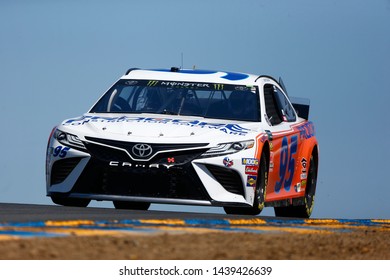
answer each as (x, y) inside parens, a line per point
(234, 246)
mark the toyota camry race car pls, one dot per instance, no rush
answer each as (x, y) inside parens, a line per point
(190, 137)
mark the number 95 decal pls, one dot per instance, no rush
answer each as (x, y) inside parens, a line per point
(287, 162)
(60, 151)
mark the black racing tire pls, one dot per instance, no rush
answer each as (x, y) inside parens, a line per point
(260, 193)
(131, 205)
(71, 201)
(303, 211)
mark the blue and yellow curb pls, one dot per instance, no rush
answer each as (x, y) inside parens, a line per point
(46, 229)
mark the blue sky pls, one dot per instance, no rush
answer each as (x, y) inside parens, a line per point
(58, 57)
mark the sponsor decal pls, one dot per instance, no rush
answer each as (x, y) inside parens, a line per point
(131, 83)
(231, 129)
(297, 187)
(250, 161)
(218, 86)
(251, 170)
(304, 165)
(185, 85)
(227, 162)
(271, 161)
(303, 176)
(251, 181)
(306, 130)
(152, 83)
(242, 88)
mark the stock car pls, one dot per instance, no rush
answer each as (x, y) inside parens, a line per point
(188, 137)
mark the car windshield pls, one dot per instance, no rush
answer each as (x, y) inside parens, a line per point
(208, 100)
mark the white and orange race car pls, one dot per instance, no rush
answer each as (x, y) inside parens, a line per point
(192, 137)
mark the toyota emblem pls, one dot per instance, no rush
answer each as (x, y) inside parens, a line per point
(142, 150)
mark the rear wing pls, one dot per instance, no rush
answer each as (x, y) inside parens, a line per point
(301, 106)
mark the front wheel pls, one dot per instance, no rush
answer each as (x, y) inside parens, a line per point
(131, 205)
(305, 210)
(260, 193)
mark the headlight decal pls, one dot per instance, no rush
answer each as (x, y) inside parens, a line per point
(229, 148)
(68, 139)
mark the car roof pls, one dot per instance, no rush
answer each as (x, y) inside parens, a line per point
(193, 75)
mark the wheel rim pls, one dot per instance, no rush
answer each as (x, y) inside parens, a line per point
(260, 190)
(311, 186)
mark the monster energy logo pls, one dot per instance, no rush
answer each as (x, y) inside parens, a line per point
(152, 83)
(184, 84)
(218, 86)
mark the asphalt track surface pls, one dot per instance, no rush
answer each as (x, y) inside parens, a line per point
(10, 212)
(27, 221)
(48, 232)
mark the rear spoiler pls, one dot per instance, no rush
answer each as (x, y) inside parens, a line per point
(301, 106)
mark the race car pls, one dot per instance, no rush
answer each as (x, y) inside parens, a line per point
(189, 137)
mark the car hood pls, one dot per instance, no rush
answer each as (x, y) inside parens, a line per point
(160, 128)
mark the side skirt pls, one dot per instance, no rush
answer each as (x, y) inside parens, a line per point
(286, 202)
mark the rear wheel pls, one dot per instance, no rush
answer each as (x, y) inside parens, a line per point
(260, 193)
(131, 205)
(302, 211)
(70, 201)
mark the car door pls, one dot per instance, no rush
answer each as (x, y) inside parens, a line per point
(284, 145)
